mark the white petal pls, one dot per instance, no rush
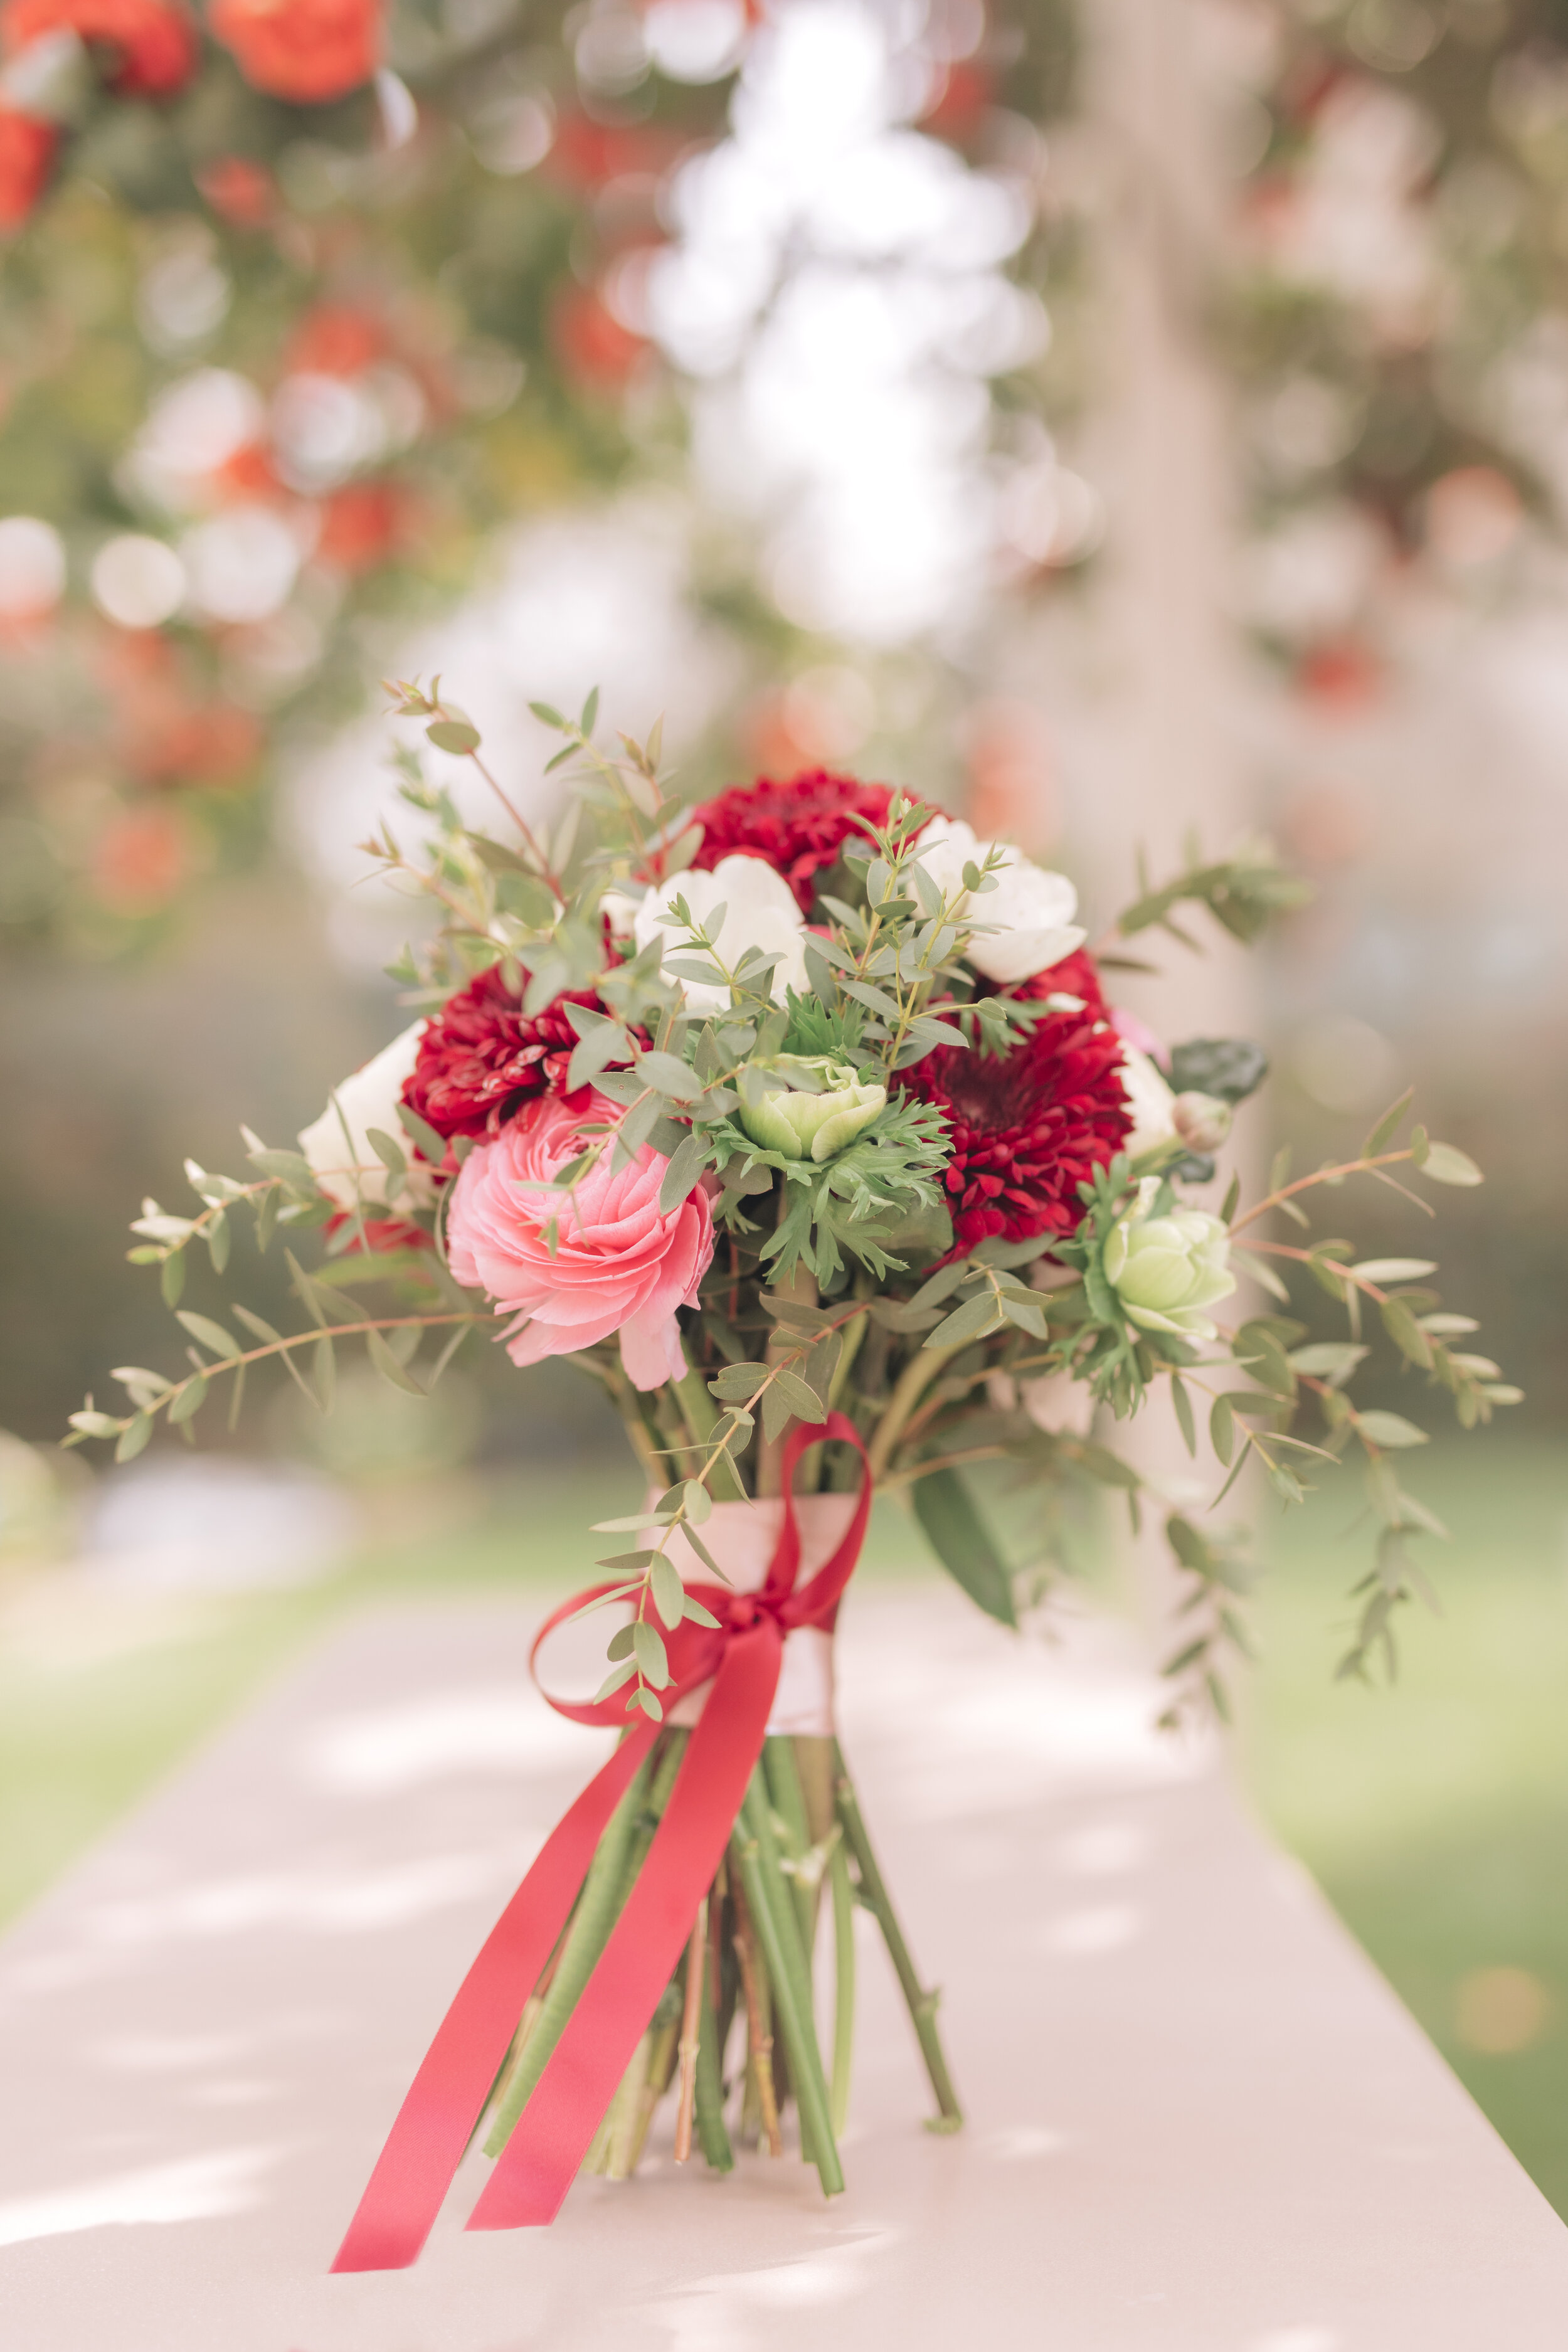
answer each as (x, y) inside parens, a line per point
(369, 1099)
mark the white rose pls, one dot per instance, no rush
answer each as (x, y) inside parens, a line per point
(1149, 1100)
(760, 911)
(345, 1164)
(1031, 908)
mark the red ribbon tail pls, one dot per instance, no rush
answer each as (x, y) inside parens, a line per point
(546, 2149)
(447, 2095)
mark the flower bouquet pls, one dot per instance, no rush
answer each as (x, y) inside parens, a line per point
(799, 1121)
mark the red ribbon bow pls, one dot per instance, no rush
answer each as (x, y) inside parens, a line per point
(741, 1657)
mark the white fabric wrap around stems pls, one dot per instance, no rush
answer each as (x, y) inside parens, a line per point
(743, 1539)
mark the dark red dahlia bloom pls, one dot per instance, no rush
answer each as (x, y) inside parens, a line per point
(797, 828)
(1029, 1127)
(482, 1057)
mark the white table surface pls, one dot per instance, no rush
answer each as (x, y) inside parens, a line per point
(1199, 2120)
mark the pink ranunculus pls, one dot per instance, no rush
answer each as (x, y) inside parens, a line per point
(619, 1263)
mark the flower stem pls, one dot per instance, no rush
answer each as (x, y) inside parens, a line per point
(612, 1873)
(921, 2004)
(758, 2030)
(690, 2025)
(711, 2128)
(843, 1986)
(756, 1852)
(918, 1373)
(788, 1803)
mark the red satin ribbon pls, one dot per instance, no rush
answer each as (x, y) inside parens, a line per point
(741, 1658)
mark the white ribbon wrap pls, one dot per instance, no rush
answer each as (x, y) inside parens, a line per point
(743, 1539)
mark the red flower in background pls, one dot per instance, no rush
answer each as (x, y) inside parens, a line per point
(361, 525)
(27, 151)
(242, 193)
(310, 51)
(482, 1057)
(593, 346)
(155, 44)
(797, 828)
(334, 339)
(1028, 1128)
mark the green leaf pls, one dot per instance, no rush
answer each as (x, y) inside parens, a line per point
(1446, 1164)
(589, 712)
(218, 1240)
(387, 1365)
(390, 1154)
(801, 1398)
(1222, 1428)
(96, 1424)
(695, 1614)
(1183, 1405)
(190, 1400)
(1393, 1269)
(643, 1698)
(669, 1592)
(171, 1279)
(133, 1437)
(1390, 1429)
(1384, 1130)
(963, 1543)
(614, 1681)
(685, 1167)
(671, 1076)
(697, 1502)
(454, 735)
(422, 1135)
(738, 1384)
(1329, 1359)
(977, 1315)
(1406, 1334)
(647, 1648)
(211, 1335)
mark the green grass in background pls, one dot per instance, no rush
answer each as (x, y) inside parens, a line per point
(1435, 1815)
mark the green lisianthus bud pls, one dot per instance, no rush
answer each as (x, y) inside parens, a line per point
(825, 1108)
(1166, 1270)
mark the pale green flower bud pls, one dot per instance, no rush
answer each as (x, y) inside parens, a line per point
(1166, 1270)
(1203, 1121)
(826, 1106)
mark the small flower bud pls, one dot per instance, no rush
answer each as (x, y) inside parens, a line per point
(1203, 1121)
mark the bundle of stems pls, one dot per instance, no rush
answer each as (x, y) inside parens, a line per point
(734, 2035)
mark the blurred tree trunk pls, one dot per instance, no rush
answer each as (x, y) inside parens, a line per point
(1169, 727)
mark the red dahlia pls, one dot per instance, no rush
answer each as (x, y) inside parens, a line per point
(1028, 1128)
(482, 1057)
(797, 826)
